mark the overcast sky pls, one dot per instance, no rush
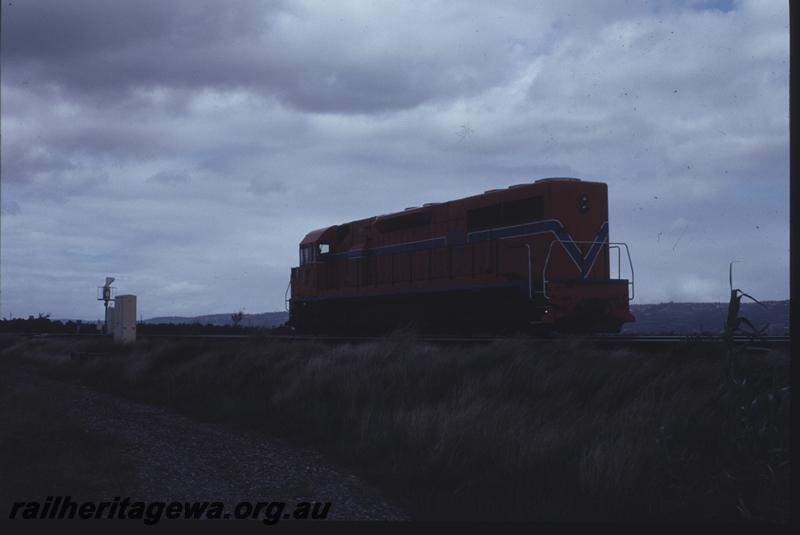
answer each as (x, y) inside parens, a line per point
(185, 147)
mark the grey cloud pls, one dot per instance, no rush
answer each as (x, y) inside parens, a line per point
(93, 48)
(106, 51)
(262, 187)
(23, 164)
(47, 31)
(170, 177)
(9, 207)
(202, 151)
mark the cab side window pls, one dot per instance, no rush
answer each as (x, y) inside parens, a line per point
(306, 255)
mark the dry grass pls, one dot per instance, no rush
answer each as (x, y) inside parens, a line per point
(515, 430)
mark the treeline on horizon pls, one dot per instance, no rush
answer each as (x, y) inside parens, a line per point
(44, 325)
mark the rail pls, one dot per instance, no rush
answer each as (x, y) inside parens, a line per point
(603, 340)
(530, 276)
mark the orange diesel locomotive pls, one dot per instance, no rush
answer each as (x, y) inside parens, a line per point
(533, 256)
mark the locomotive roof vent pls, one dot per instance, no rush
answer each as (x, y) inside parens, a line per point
(521, 185)
(430, 204)
(492, 190)
(411, 208)
(550, 179)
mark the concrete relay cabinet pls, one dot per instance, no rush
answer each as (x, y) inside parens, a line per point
(124, 318)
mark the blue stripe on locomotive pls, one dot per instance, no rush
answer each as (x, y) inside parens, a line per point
(583, 263)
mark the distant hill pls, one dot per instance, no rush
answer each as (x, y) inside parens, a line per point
(265, 319)
(695, 318)
(662, 318)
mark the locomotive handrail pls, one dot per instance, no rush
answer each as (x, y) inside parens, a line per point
(544, 269)
(530, 277)
(630, 265)
(610, 245)
(619, 259)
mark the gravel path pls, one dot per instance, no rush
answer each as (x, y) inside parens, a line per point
(178, 458)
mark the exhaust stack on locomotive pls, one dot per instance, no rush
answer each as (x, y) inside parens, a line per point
(529, 257)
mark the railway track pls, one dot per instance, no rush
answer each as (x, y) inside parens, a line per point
(610, 340)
